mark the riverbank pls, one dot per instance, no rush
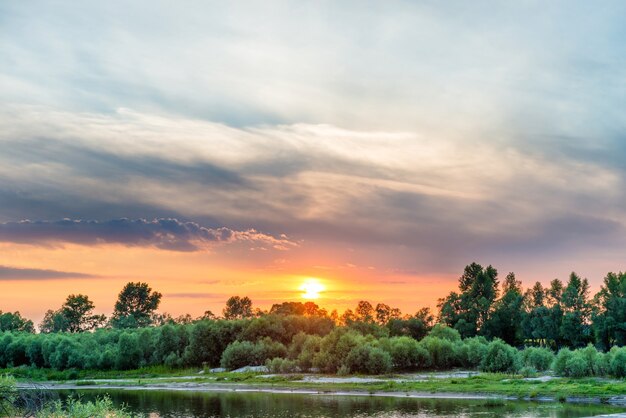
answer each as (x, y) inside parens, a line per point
(450, 385)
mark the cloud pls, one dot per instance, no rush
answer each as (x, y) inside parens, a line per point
(166, 234)
(191, 295)
(412, 135)
(18, 273)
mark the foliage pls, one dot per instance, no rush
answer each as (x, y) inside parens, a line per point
(76, 315)
(539, 359)
(8, 395)
(468, 310)
(135, 306)
(238, 308)
(75, 408)
(15, 322)
(500, 357)
(444, 332)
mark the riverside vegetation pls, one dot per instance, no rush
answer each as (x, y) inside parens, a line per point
(493, 327)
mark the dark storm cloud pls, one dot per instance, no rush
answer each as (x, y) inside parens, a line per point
(166, 234)
(15, 273)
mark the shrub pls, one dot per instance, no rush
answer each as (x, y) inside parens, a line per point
(407, 354)
(368, 359)
(538, 358)
(239, 354)
(267, 349)
(578, 363)
(528, 371)
(471, 351)
(335, 347)
(440, 351)
(576, 366)
(445, 332)
(617, 362)
(8, 394)
(75, 408)
(379, 361)
(303, 349)
(560, 361)
(281, 365)
(129, 354)
(500, 357)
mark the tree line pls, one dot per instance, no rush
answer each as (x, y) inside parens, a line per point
(485, 324)
(556, 316)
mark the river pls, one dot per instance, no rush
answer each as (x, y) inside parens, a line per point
(179, 404)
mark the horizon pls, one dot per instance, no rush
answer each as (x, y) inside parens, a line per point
(355, 151)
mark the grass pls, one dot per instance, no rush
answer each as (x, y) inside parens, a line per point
(485, 383)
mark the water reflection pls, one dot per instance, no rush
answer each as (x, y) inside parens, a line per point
(179, 404)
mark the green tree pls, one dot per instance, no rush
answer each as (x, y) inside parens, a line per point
(609, 317)
(574, 330)
(135, 306)
(468, 310)
(238, 308)
(15, 322)
(506, 320)
(79, 316)
(53, 321)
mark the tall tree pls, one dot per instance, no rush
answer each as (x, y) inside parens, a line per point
(14, 321)
(78, 313)
(75, 315)
(506, 319)
(238, 308)
(135, 306)
(575, 330)
(609, 316)
(468, 310)
(364, 311)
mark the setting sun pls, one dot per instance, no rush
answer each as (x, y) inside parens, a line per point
(312, 289)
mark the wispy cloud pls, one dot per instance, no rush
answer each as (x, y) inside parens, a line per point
(193, 295)
(414, 135)
(19, 273)
(166, 234)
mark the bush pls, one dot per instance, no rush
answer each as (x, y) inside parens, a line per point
(368, 359)
(576, 366)
(528, 371)
(559, 366)
(471, 351)
(500, 357)
(239, 354)
(335, 347)
(617, 362)
(281, 365)
(129, 354)
(303, 349)
(440, 351)
(8, 394)
(75, 408)
(578, 363)
(445, 332)
(407, 354)
(538, 358)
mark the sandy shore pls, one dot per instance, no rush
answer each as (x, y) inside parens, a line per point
(236, 387)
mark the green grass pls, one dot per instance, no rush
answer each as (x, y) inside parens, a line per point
(37, 374)
(486, 383)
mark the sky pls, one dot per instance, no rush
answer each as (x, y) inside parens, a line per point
(242, 148)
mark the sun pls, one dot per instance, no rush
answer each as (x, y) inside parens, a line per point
(311, 288)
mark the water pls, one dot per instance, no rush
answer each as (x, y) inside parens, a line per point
(179, 404)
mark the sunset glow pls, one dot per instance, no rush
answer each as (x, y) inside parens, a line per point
(312, 289)
(306, 151)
